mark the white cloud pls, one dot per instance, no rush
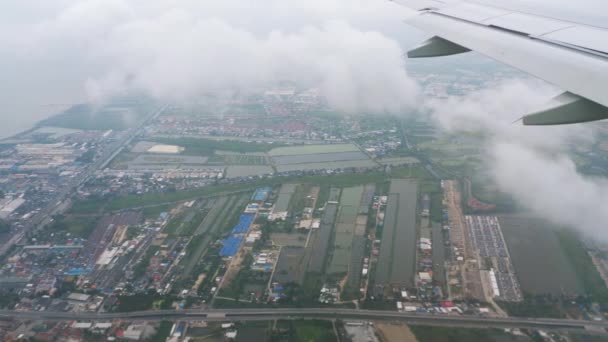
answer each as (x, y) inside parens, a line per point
(552, 188)
(496, 110)
(530, 163)
(181, 48)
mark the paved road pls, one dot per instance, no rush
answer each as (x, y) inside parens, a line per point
(273, 313)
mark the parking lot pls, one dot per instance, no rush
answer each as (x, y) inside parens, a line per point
(487, 239)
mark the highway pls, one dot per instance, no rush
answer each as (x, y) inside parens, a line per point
(318, 313)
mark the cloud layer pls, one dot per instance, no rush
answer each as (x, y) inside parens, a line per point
(69, 51)
(355, 70)
(532, 164)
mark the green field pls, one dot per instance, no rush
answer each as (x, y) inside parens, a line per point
(139, 302)
(586, 271)
(153, 212)
(207, 147)
(185, 224)
(344, 229)
(298, 199)
(162, 332)
(443, 334)
(545, 306)
(554, 272)
(91, 118)
(244, 159)
(306, 331)
(312, 149)
(78, 226)
(235, 171)
(154, 199)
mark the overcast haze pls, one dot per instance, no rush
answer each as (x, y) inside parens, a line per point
(71, 51)
(67, 51)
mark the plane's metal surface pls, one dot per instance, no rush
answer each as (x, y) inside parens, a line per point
(569, 55)
(568, 108)
(436, 47)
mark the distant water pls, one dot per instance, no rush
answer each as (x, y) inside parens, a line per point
(20, 118)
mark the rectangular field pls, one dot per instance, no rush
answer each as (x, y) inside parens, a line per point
(334, 165)
(285, 193)
(540, 263)
(319, 158)
(321, 242)
(288, 239)
(312, 149)
(345, 228)
(165, 161)
(291, 266)
(396, 263)
(235, 171)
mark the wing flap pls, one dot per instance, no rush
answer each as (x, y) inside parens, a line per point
(472, 12)
(590, 38)
(567, 108)
(527, 24)
(436, 47)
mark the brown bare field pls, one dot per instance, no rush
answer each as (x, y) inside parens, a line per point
(392, 332)
(233, 268)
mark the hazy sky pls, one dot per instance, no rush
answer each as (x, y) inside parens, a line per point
(68, 51)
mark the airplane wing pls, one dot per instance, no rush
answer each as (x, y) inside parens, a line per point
(570, 55)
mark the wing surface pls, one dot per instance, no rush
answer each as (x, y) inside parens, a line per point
(570, 55)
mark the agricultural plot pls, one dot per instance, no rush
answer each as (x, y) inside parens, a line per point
(319, 158)
(366, 200)
(312, 149)
(291, 266)
(322, 238)
(304, 331)
(244, 159)
(236, 171)
(56, 132)
(359, 238)
(288, 239)
(89, 117)
(164, 161)
(540, 263)
(394, 161)
(233, 153)
(186, 223)
(396, 263)
(356, 262)
(285, 193)
(345, 228)
(304, 196)
(330, 165)
(223, 209)
(200, 146)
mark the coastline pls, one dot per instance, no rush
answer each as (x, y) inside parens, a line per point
(17, 132)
